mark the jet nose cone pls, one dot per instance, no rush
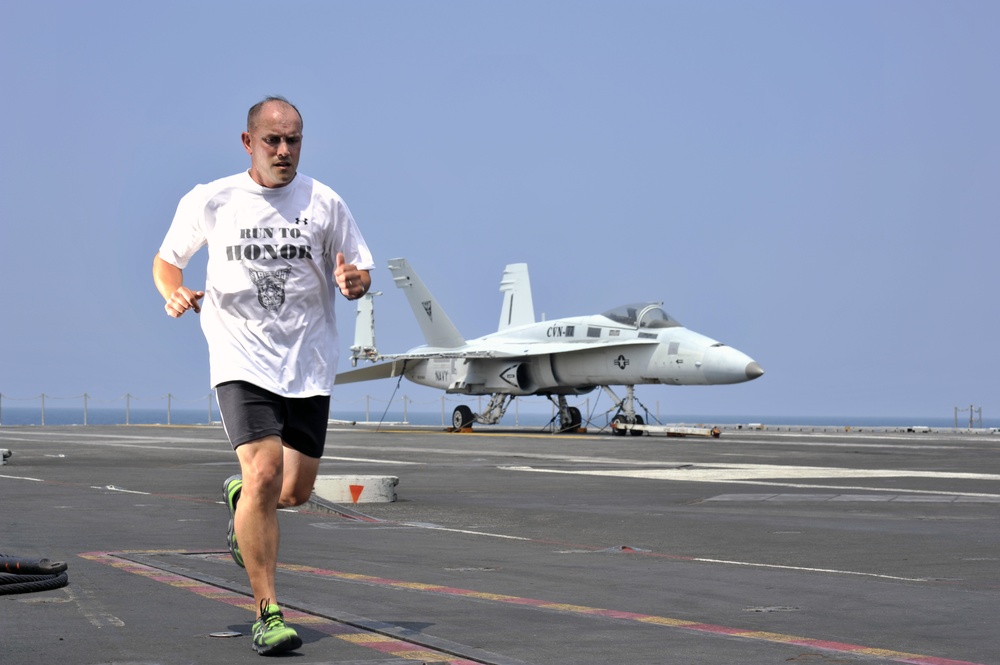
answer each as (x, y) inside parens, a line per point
(724, 364)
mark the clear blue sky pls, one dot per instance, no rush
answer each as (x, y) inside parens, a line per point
(814, 183)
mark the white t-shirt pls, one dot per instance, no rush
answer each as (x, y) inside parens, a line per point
(268, 312)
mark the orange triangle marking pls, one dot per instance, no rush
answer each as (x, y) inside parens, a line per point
(356, 491)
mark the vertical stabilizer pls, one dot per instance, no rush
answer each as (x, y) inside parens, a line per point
(438, 329)
(364, 330)
(518, 308)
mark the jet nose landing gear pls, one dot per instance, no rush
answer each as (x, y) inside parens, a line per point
(623, 424)
(627, 421)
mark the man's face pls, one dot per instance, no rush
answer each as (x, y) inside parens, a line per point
(274, 144)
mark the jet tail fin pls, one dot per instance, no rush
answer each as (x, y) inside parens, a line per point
(364, 330)
(518, 308)
(438, 329)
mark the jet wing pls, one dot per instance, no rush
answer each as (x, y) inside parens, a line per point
(397, 362)
(513, 349)
(383, 371)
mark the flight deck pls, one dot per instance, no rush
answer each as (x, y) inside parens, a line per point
(512, 546)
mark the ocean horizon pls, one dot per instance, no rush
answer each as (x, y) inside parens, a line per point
(34, 416)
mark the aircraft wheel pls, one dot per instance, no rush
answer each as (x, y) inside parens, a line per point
(637, 432)
(618, 420)
(462, 417)
(575, 418)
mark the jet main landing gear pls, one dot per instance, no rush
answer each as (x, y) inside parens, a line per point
(462, 417)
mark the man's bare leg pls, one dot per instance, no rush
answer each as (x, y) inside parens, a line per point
(256, 520)
(299, 478)
(274, 476)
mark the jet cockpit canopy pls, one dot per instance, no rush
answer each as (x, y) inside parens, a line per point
(642, 315)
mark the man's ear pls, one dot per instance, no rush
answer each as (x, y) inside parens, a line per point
(246, 142)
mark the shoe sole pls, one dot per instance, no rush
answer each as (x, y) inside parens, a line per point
(231, 531)
(291, 644)
(230, 540)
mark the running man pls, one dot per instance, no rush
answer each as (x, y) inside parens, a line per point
(280, 246)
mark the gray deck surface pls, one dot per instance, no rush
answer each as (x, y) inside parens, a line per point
(509, 547)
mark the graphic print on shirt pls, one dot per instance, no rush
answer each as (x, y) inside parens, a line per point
(270, 287)
(281, 242)
(263, 244)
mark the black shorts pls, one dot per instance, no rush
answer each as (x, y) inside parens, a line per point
(250, 413)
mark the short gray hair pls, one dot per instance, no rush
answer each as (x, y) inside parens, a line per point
(255, 110)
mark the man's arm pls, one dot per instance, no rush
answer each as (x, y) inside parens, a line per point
(169, 280)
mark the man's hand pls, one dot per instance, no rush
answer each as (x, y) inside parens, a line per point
(169, 280)
(350, 280)
(182, 300)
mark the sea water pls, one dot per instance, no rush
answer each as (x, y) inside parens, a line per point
(34, 415)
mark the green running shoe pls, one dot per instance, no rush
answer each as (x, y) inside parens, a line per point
(231, 494)
(270, 634)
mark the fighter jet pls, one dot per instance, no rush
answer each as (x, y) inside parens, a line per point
(633, 344)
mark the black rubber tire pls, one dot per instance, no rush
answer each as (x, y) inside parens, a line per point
(462, 417)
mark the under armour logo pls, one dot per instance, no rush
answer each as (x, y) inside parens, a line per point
(621, 361)
(301, 220)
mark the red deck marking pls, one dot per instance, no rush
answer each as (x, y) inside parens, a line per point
(682, 624)
(381, 643)
(409, 651)
(356, 491)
